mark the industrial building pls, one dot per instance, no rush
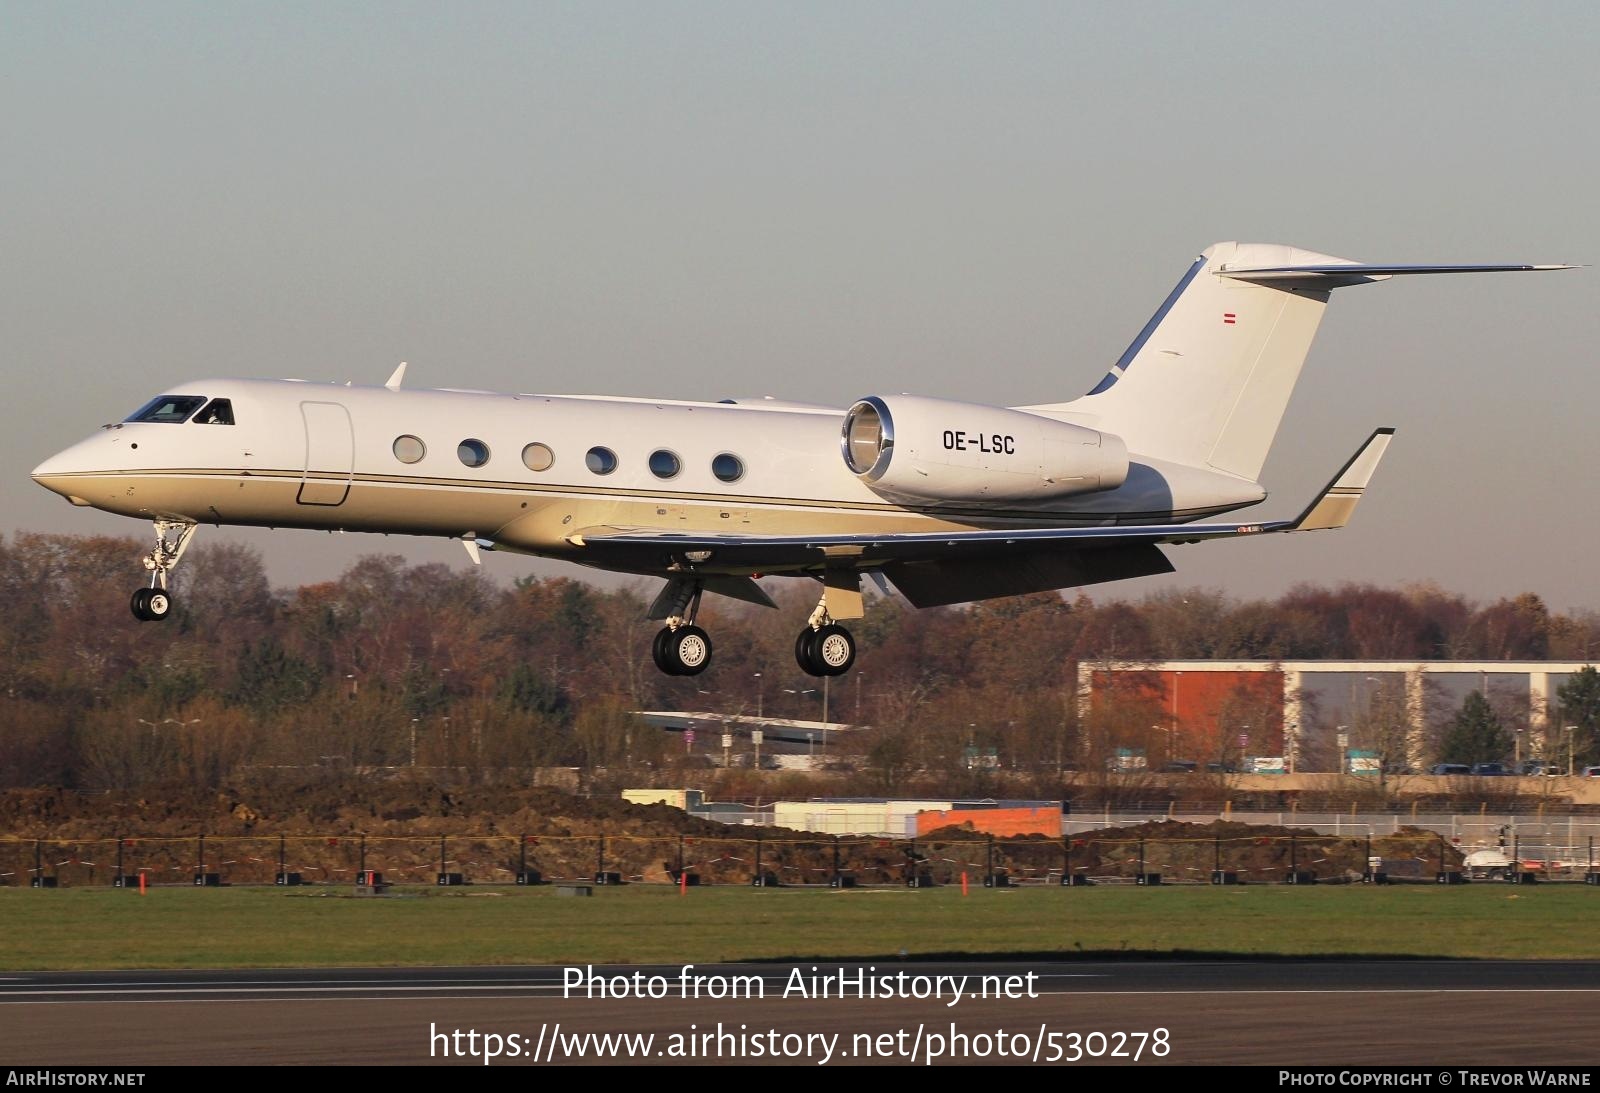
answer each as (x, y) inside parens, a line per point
(1318, 714)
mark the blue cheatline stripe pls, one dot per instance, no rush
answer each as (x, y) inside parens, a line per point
(1132, 351)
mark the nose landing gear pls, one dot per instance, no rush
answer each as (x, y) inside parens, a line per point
(155, 603)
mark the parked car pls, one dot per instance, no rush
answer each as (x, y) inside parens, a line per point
(1591, 772)
(1450, 768)
(1490, 770)
(1538, 767)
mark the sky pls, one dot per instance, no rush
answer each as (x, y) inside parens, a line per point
(821, 202)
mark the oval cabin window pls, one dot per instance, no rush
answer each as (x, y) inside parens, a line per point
(409, 449)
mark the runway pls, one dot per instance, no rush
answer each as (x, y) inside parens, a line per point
(988, 1012)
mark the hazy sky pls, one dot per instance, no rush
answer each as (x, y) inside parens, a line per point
(823, 201)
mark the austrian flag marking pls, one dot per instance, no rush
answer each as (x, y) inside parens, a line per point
(1229, 318)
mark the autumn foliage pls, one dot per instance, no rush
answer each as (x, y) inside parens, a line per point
(422, 666)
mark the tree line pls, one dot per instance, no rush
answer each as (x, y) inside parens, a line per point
(399, 665)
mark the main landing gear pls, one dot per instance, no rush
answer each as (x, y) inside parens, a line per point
(823, 648)
(154, 603)
(681, 648)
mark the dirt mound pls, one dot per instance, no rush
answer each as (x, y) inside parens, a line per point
(1259, 852)
(413, 831)
(343, 810)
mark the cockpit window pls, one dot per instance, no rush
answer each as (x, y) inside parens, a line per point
(168, 409)
(220, 412)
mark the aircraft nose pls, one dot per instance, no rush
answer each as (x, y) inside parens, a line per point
(57, 474)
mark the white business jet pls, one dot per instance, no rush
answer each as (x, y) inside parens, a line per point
(949, 501)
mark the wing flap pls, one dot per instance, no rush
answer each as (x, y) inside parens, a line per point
(936, 584)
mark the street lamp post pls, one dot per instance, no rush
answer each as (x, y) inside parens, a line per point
(1343, 740)
(825, 681)
(1571, 729)
(760, 693)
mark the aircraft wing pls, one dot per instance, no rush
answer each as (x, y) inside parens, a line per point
(1115, 551)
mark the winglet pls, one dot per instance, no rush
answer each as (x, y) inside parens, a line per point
(399, 375)
(1333, 508)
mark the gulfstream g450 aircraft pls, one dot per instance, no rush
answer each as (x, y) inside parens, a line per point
(949, 501)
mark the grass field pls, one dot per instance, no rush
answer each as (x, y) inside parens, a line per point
(85, 928)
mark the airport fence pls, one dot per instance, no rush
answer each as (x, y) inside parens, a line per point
(841, 861)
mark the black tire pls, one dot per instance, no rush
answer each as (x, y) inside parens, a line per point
(833, 650)
(138, 605)
(658, 651)
(689, 650)
(158, 605)
(805, 652)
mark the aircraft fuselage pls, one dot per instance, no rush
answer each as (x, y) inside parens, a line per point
(332, 456)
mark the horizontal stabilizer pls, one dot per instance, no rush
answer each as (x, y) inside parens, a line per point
(1338, 274)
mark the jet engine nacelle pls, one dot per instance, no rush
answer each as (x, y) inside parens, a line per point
(933, 450)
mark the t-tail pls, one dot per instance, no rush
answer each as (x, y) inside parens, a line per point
(1206, 382)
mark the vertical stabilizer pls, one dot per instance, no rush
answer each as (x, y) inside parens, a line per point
(1207, 380)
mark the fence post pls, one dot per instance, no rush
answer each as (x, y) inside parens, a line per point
(441, 856)
(1141, 859)
(600, 858)
(118, 881)
(989, 862)
(363, 853)
(680, 855)
(760, 880)
(836, 860)
(201, 867)
(38, 863)
(282, 865)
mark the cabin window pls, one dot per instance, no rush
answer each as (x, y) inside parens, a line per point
(220, 412)
(168, 409)
(665, 464)
(474, 453)
(727, 467)
(538, 457)
(601, 460)
(409, 449)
